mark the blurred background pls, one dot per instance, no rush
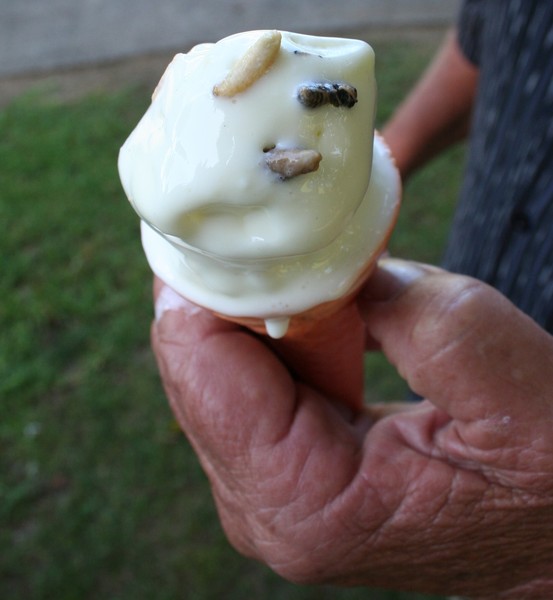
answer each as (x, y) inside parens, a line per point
(100, 494)
(46, 34)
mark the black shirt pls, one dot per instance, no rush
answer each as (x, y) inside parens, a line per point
(502, 231)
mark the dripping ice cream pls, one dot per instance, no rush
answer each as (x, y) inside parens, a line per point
(262, 190)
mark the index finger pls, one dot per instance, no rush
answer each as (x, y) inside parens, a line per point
(459, 343)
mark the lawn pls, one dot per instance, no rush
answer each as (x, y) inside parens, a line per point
(100, 495)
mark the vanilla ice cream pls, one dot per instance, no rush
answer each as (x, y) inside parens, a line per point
(229, 219)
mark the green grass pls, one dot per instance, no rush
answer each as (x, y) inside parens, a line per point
(100, 495)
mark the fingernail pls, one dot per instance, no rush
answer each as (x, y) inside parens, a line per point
(404, 271)
(392, 276)
(168, 299)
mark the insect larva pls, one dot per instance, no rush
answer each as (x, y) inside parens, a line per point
(291, 162)
(251, 66)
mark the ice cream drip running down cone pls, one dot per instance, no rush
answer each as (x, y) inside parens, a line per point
(265, 195)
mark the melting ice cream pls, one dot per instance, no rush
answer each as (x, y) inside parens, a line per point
(254, 176)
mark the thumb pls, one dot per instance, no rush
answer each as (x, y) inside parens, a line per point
(459, 343)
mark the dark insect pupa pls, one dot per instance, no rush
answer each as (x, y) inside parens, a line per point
(313, 95)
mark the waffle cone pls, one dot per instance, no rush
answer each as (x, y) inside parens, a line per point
(324, 346)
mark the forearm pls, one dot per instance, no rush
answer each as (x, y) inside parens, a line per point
(437, 112)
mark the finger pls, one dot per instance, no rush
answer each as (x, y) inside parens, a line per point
(392, 276)
(212, 370)
(229, 392)
(386, 283)
(459, 342)
(326, 354)
(261, 437)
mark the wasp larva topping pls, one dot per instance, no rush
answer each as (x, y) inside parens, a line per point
(313, 95)
(251, 66)
(292, 162)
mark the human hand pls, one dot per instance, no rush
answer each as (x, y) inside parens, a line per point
(450, 495)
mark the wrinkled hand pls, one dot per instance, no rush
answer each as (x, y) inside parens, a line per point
(450, 495)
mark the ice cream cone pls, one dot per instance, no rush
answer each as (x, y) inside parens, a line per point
(263, 197)
(324, 346)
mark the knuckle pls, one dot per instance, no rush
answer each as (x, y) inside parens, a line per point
(451, 323)
(454, 314)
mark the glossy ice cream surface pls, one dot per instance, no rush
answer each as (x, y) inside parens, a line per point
(223, 227)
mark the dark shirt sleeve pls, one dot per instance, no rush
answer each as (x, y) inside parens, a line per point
(502, 232)
(469, 28)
